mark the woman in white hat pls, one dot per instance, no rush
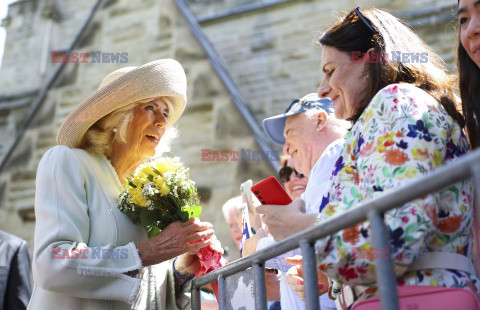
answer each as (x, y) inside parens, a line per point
(88, 254)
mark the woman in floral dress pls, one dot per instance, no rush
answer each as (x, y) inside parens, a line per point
(405, 126)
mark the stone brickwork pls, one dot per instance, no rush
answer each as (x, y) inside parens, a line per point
(270, 53)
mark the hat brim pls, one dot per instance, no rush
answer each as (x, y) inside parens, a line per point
(274, 127)
(160, 78)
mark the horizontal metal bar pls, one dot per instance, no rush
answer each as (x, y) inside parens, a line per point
(434, 181)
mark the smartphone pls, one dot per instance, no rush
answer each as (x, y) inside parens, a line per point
(246, 190)
(270, 192)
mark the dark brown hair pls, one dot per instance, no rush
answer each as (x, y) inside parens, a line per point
(392, 35)
(469, 85)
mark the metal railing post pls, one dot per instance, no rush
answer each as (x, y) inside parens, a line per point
(196, 298)
(222, 290)
(310, 279)
(387, 283)
(260, 286)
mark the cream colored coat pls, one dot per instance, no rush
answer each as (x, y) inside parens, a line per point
(76, 213)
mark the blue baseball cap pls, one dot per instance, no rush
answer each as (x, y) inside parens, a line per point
(275, 125)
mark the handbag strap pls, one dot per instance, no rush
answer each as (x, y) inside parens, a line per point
(443, 260)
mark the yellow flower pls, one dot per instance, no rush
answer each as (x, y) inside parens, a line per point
(164, 166)
(433, 282)
(159, 182)
(437, 158)
(385, 141)
(330, 209)
(368, 116)
(410, 173)
(137, 197)
(165, 190)
(420, 154)
(147, 170)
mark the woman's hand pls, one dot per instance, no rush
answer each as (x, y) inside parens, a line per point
(176, 239)
(294, 278)
(284, 221)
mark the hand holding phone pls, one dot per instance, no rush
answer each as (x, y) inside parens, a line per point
(270, 192)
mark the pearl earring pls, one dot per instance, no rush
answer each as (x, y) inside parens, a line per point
(114, 129)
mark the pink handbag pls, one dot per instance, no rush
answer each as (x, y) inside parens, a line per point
(426, 298)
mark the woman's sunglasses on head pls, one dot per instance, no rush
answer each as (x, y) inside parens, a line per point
(285, 173)
(354, 14)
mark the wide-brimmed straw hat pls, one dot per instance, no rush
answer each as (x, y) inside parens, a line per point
(160, 78)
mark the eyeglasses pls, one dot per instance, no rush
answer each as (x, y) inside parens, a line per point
(291, 104)
(318, 104)
(285, 173)
(356, 13)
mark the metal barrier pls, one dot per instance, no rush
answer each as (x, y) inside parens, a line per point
(465, 167)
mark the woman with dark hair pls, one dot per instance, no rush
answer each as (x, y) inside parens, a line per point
(405, 125)
(468, 60)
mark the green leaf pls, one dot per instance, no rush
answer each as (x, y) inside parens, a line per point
(150, 177)
(409, 239)
(455, 190)
(193, 211)
(386, 173)
(131, 184)
(153, 231)
(410, 228)
(354, 192)
(148, 217)
(399, 170)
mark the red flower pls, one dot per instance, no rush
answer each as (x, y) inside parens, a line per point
(348, 273)
(362, 269)
(396, 157)
(351, 234)
(450, 224)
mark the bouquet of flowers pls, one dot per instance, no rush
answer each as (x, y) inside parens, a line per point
(161, 193)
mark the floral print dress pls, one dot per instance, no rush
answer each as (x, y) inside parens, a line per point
(403, 133)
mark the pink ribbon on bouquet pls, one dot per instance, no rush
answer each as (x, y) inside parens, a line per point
(210, 259)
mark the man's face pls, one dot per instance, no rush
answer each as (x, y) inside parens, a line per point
(300, 132)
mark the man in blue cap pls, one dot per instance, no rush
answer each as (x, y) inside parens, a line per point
(313, 137)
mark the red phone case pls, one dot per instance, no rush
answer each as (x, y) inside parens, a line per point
(270, 192)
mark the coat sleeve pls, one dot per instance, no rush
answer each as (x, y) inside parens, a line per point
(19, 288)
(63, 261)
(403, 134)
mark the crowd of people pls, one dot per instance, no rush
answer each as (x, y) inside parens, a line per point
(373, 126)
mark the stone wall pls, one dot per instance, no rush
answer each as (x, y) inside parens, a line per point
(269, 51)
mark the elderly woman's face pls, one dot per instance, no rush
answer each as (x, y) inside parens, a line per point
(469, 20)
(344, 81)
(145, 130)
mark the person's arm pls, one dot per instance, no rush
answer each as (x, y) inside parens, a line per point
(19, 288)
(403, 134)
